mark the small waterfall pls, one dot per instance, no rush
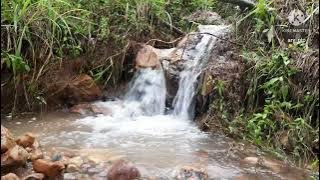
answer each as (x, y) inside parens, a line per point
(148, 89)
(195, 58)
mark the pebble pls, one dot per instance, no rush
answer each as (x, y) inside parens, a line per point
(70, 176)
(93, 170)
(18, 123)
(72, 168)
(103, 173)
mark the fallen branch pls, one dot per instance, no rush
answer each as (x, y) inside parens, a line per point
(165, 42)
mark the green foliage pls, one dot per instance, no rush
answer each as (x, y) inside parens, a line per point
(271, 85)
(38, 32)
(15, 63)
(264, 20)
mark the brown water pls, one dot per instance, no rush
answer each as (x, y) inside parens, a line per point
(157, 145)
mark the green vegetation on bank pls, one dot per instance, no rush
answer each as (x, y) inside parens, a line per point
(36, 34)
(280, 111)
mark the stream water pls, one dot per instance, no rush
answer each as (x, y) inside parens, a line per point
(139, 127)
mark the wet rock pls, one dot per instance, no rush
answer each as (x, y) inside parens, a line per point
(77, 161)
(101, 110)
(274, 165)
(94, 170)
(7, 140)
(73, 90)
(10, 176)
(14, 157)
(122, 170)
(48, 168)
(35, 144)
(207, 85)
(147, 58)
(36, 154)
(251, 160)
(83, 88)
(85, 167)
(34, 176)
(226, 70)
(70, 176)
(103, 173)
(86, 109)
(192, 173)
(26, 140)
(83, 109)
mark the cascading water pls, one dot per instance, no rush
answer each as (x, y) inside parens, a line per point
(149, 91)
(195, 58)
(147, 95)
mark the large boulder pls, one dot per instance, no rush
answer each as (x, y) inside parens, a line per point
(80, 88)
(147, 58)
(122, 170)
(7, 140)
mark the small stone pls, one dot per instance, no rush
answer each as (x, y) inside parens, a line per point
(85, 167)
(103, 174)
(123, 170)
(49, 168)
(70, 176)
(10, 176)
(72, 168)
(36, 154)
(93, 170)
(192, 172)
(56, 157)
(251, 160)
(78, 161)
(34, 176)
(26, 140)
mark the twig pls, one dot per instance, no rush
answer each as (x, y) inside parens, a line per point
(170, 42)
(175, 29)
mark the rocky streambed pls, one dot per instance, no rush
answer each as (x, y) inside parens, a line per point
(82, 152)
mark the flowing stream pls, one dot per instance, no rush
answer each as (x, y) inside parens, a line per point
(140, 128)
